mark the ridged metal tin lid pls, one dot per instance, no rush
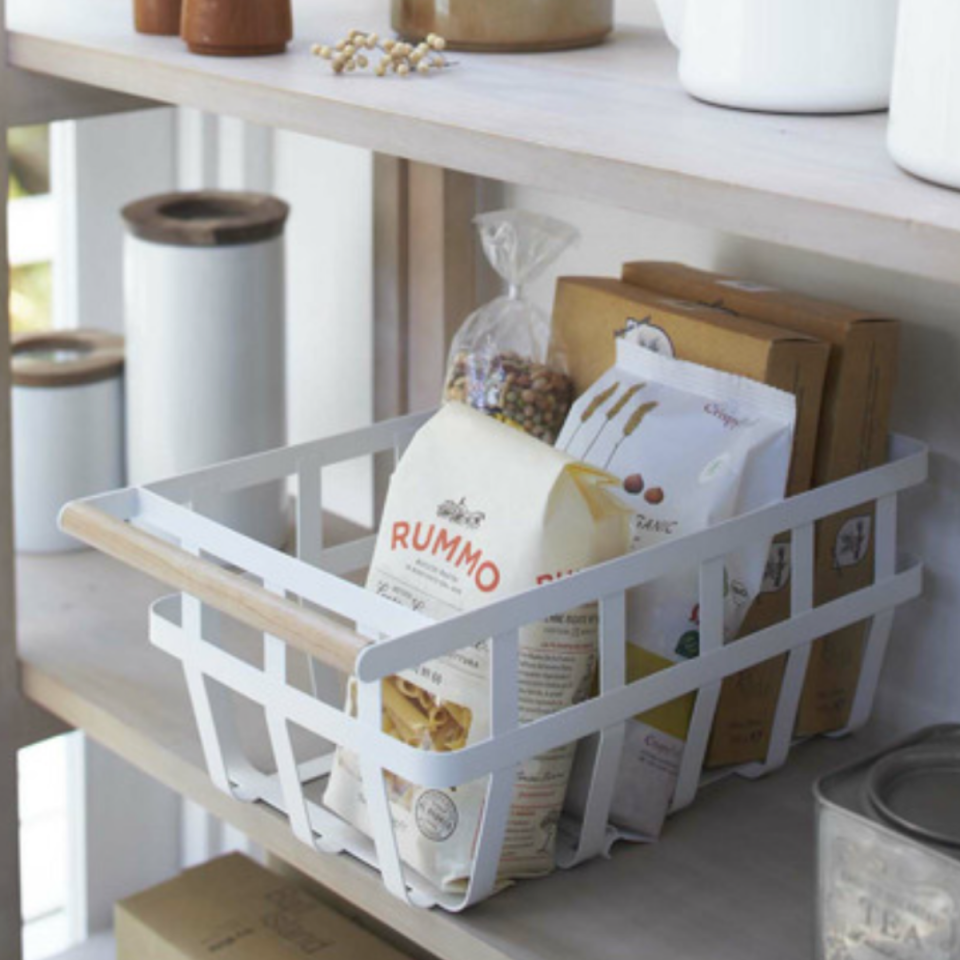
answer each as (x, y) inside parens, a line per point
(65, 358)
(912, 789)
(917, 789)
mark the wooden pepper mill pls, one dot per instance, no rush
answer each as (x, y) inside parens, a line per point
(240, 28)
(160, 17)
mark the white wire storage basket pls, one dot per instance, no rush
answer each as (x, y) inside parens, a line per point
(305, 607)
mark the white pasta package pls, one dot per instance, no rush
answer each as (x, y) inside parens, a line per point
(692, 447)
(477, 511)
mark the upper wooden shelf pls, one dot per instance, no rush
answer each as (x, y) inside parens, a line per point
(732, 880)
(610, 125)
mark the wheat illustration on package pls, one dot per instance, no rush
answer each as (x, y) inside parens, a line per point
(692, 447)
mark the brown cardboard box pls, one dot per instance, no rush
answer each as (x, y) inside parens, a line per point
(853, 436)
(234, 909)
(588, 315)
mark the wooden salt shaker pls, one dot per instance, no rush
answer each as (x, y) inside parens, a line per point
(160, 17)
(241, 28)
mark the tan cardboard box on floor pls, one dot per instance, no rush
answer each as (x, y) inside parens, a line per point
(589, 315)
(234, 909)
(852, 437)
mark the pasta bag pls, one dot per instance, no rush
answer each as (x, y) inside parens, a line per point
(477, 511)
(501, 361)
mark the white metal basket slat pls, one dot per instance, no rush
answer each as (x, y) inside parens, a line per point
(304, 603)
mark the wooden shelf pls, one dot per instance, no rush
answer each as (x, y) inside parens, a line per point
(732, 881)
(609, 124)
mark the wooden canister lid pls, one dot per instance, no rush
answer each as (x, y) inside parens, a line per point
(65, 358)
(207, 218)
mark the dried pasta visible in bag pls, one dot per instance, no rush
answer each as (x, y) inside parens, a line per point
(477, 511)
(692, 447)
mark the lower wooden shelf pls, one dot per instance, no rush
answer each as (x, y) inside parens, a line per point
(733, 879)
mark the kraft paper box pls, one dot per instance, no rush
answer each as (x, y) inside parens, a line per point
(589, 315)
(853, 435)
(234, 909)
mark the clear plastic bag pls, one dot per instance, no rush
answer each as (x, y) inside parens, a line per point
(501, 362)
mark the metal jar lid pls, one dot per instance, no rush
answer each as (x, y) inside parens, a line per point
(917, 790)
(66, 358)
(207, 218)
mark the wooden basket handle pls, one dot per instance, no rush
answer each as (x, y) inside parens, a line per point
(310, 632)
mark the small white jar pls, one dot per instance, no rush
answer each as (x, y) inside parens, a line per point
(924, 135)
(67, 400)
(206, 362)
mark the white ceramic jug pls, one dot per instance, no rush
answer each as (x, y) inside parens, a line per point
(786, 56)
(925, 112)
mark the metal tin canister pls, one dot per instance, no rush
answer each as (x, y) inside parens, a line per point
(889, 853)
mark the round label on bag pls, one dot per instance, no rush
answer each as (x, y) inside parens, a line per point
(437, 816)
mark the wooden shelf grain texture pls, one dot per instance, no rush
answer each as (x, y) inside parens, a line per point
(733, 880)
(609, 124)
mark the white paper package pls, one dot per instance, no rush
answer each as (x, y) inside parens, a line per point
(477, 511)
(692, 447)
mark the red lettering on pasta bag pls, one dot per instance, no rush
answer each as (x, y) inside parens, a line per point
(550, 577)
(492, 574)
(401, 531)
(428, 539)
(446, 546)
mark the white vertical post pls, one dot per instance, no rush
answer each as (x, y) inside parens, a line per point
(608, 743)
(198, 161)
(310, 511)
(370, 712)
(504, 718)
(244, 156)
(711, 639)
(802, 562)
(878, 637)
(198, 835)
(134, 814)
(98, 166)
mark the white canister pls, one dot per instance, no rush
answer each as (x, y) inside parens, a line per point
(925, 112)
(204, 295)
(786, 56)
(67, 401)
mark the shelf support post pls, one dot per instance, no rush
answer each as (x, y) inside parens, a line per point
(10, 701)
(425, 284)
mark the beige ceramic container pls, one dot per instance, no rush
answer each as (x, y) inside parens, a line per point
(506, 25)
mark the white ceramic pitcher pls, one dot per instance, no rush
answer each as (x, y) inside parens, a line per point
(786, 56)
(925, 112)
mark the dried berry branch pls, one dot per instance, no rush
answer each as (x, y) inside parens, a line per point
(403, 59)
